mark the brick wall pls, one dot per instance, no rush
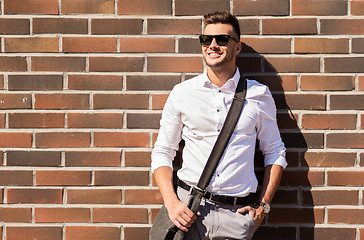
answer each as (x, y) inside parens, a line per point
(83, 83)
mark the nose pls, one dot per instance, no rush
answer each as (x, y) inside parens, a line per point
(214, 44)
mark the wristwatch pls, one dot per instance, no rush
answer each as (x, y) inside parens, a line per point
(266, 206)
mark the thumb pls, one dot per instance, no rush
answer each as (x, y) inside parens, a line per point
(244, 209)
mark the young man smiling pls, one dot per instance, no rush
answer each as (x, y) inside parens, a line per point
(195, 112)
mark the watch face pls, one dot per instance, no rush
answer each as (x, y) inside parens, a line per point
(266, 208)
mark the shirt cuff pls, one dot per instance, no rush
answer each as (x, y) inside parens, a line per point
(157, 163)
(281, 161)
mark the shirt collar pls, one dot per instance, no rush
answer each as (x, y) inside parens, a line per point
(231, 83)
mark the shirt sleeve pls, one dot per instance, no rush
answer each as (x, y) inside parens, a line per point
(169, 136)
(268, 134)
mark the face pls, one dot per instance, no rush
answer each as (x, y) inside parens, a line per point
(220, 56)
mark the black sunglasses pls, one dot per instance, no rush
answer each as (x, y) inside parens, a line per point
(221, 40)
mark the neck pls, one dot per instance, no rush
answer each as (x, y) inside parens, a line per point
(219, 78)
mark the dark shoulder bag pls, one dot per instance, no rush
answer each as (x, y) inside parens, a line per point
(163, 228)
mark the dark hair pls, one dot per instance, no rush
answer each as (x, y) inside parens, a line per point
(224, 18)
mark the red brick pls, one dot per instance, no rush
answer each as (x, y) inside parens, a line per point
(348, 216)
(62, 139)
(301, 101)
(305, 140)
(62, 178)
(151, 82)
(344, 64)
(321, 45)
(321, 8)
(358, 45)
(158, 101)
(116, 64)
(2, 120)
(362, 122)
(120, 215)
(95, 82)
(143, 196)
(50, 196)
(277, 82)
(87, 7)
(140, 233)
(329, 159)
(189, 45)
(261, 7)
(61, 101)
(327, 83)
(346, 102)
(145, 7)
(89, 44)
(342, 26)
(330, 197)
(328, 233)
(59, 64)
(15, 101)
(289, 26)
(249, 26)
(147, 44)
(249, 64)
(16, 178)
(292, 64)
(1, 81)
(13, 64)
(266, 45)
(275, 233)
(137, 159)
(329, 121)
(304, 215)
(345, 178)
(357, 7)
(174, 26)
(60, 25)
(121, 178)
(36, 120)
(361, 83)
(30, 233)
(116, 26)
(175, 64)
(287, 121)
(93, 159)
(33, 44)
(121, 139)
(62, 215)
(95, 120)
(94, 196)
(285, 197)
(12, 26)
(34, 158)
(345, 140)
(15, 140)
(143, 120)
(121, 101)
(92, 233)
(35, 82)
(15, 215)
(31, 7)
(191, 7)
(303, 178)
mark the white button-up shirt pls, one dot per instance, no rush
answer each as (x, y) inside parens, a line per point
(195, 112)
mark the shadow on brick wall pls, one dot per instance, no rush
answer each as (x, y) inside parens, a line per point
(292, 211)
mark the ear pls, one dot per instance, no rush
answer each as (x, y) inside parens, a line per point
(238, 48)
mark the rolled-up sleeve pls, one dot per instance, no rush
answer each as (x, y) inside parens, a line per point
(270, 140)
(169, 135)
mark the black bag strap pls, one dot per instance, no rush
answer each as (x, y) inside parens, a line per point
(225, 134)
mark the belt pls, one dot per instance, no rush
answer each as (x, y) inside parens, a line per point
(221, 199)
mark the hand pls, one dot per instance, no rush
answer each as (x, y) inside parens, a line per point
(256, 212)
(181, 215)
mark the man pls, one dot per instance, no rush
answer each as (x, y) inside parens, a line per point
(195, 112)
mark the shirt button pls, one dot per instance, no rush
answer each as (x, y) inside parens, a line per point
(218, 110)
(218, 130)
(218, 175)
(219, 90)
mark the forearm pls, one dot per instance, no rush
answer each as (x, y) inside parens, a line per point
(271, 180)
(164, 179)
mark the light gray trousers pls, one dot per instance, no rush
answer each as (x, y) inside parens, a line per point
(218, 221)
